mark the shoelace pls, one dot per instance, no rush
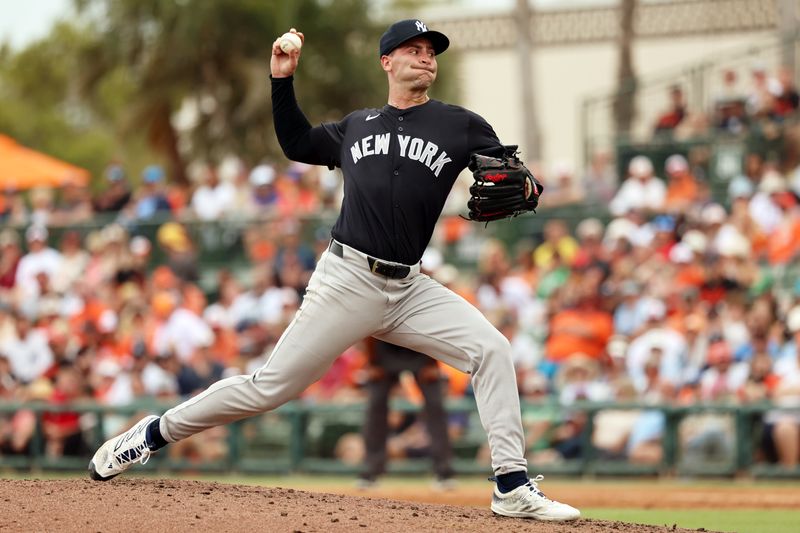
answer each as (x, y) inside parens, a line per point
(533, 484)
(142, 452)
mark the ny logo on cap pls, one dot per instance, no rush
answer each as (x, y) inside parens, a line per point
(421, 26)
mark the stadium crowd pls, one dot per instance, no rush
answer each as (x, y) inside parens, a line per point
(676, 298)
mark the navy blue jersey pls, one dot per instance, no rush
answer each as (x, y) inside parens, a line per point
(399, 165)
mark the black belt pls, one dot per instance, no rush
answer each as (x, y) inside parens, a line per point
(375, 265)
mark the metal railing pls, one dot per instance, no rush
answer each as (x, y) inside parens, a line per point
(296, 438)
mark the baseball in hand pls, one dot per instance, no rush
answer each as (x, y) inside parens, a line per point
(290, 42)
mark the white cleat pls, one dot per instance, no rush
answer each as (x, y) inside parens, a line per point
(528, 501)
(121, 452)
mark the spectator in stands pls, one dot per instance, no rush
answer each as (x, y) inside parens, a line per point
(522, 268)
(298, 191)
(580, 326)
(741, 219)
(663, 231)
(214, 199)
(16, 429)
(10, 256)
(763, 207)
(761, 94)
(591, 252)
(730, 115)
(73, 207)
(644, 443)
(344, 381)
(200, 370)
(761, 380)
(541, 421)
(790, 349)
(600, 179)
(12, 207)
(493, 265)
(73, 262)
(8, 328)
(690, 275)
(556, 239)
(563, 189)
(98, 269)
(630, 313)
(184, 333)
(783, 243)
(659, 343)
(761, 98)
(133, 269)
(160, 377)
(580, 379)
(41, 199)
(526, 351)
(787, 99)
(151, 199)
(27, 349)
(613, 427)
(641, 190)
(181, 253)
(225, 347)
(62, 430)
(39, 259)
(723, 377)
(785, 424)
(264, 198)
(672, 117)
(117, 194)
(682, 188)
(292, 248)
(223, 309)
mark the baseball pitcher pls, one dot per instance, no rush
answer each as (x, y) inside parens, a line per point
(399, 163)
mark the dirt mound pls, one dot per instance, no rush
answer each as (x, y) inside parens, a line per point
(642, 495)
(176, 505)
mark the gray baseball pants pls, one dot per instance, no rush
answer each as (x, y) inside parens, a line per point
(346, 302)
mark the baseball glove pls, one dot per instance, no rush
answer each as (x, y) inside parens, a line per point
(503, 187)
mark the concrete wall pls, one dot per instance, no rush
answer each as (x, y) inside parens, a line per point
(565, 75)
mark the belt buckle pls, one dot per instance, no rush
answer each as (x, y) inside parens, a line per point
(374, 266)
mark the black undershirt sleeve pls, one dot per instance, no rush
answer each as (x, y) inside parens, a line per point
(299, 141)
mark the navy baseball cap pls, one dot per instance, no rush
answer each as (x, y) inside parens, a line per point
(402, 31)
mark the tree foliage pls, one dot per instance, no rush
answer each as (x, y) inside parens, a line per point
(211, 59)
(39, 106)
(185, 79)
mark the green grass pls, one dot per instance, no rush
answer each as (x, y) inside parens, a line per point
(739, 520)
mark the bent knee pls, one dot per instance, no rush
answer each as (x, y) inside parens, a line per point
(498, 343)
(493, 345)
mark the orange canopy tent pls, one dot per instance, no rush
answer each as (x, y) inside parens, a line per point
(23, 168)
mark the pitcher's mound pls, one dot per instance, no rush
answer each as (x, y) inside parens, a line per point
(194, 506)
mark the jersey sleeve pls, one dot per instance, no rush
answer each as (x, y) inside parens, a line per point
(481, 138)
(299, 141)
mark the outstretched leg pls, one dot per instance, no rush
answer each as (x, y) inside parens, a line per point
(343, 304)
